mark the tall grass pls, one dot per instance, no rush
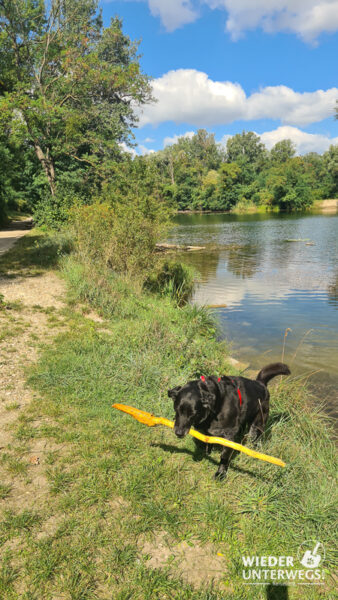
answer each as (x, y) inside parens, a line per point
(173, 279)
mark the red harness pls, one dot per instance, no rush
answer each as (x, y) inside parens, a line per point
(238, 390)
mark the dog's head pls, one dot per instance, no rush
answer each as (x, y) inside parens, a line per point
(193, 403)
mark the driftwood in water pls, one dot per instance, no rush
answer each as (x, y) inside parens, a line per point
(166, 247)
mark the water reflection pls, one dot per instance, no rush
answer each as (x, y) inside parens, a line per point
(244, 261)
(205, 262)
(332, 291)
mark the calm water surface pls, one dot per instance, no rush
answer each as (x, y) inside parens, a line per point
(268, 284)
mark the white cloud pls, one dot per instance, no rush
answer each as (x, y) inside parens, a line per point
(225, 138)
(140, 150)
(173, 13)
(190, 96)
(305, 142)
(307, 18)
(148, 140)
(143, 150)
(168, 141)
(128, 149)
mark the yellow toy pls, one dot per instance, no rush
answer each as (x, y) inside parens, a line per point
(149, 419)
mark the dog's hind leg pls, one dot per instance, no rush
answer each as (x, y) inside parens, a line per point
(258, 424)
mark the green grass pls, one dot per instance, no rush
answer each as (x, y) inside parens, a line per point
(115, 483)
(23, 521)
(18, 215)
(13, 464)
(4, 490)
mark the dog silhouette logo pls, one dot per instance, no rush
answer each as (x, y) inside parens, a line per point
(310, 557)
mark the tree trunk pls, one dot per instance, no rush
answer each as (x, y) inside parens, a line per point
(47, 165)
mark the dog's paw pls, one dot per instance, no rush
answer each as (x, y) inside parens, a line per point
(221, 474)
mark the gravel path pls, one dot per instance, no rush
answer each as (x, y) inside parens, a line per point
(9, 236)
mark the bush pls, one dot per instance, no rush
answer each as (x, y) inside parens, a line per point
(244, 205)
(52, 212)
(173, 279)
(122, 237)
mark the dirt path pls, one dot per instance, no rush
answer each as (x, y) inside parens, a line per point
(9, 236)
(29, 318)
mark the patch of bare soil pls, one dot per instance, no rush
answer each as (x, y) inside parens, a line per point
(44, 290)
(197, 565)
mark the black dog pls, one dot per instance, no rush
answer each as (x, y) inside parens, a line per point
(224, 406)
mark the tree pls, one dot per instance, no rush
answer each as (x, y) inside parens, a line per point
(246, 148)
(291, 185)
(70, 87)
(331, 163)
(282, 151)
(228, 185)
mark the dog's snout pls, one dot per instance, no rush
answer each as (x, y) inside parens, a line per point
(180, 433)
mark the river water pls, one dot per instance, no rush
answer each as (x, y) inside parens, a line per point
(267, 284)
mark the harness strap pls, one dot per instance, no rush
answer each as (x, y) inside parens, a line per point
(238, 390)
(239, 396)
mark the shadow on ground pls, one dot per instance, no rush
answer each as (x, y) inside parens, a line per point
(34, 250)
(277, 592)
(199, 454)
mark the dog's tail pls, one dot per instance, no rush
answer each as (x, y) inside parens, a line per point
(271, 371)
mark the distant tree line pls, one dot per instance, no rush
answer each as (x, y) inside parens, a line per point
(197, 173)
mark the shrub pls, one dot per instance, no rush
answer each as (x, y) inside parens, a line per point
(52, 212)
(173, 279)
(122, 237)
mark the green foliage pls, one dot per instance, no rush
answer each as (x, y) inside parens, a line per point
(174, 279)
(84, 84)
(331, 164)
(291, 185)
(282, 151)
(121, 235)
(53, 212)
(247, 149)
(69, 91)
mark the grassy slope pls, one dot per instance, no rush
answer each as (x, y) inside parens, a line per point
(119, 482)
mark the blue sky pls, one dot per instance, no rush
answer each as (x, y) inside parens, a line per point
(268, 66)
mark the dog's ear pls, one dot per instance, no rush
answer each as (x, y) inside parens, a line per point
(173, 393)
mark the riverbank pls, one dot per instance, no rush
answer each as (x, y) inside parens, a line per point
(329, 205)
(326, 205)
(127, 511)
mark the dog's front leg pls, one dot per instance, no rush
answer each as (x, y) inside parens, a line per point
(222, 470)
(202, 448)
(226, 454)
